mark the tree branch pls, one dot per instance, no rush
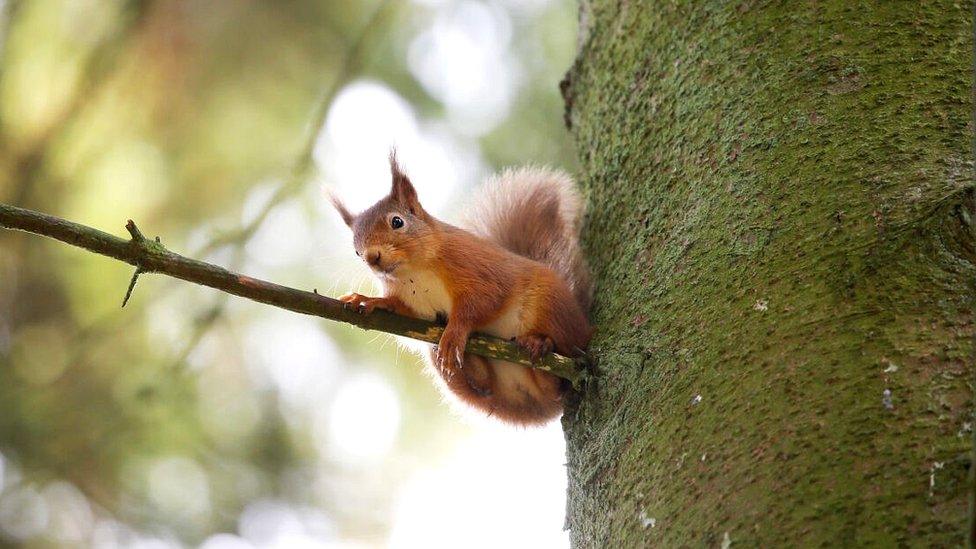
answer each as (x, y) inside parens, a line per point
(150, 256)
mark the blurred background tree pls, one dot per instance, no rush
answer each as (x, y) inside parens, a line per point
(189, 418)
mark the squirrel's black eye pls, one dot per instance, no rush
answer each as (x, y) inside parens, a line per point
(396, 222)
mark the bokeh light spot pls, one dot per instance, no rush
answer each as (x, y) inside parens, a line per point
(363, 420)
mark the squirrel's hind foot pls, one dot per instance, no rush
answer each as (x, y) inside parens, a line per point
(537, 345)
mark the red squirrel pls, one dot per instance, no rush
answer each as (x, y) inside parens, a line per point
(516, 272)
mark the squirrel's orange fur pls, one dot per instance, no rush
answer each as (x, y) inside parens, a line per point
(517, 274)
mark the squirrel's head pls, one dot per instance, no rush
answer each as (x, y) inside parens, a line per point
(394, 232)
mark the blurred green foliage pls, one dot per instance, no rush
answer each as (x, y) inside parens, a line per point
(169, 418)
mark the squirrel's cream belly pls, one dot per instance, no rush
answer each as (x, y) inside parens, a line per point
(508, 324)
(426, 294)
(423, 292)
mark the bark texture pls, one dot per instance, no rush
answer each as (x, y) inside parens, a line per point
(781, 227)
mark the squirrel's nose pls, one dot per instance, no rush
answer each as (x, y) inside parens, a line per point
(373, 257)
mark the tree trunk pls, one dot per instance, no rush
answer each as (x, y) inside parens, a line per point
(780, 225)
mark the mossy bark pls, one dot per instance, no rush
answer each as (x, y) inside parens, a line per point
(781, 228)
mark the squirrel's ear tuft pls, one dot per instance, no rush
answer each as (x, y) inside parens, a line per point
(347, 217)
(402, 190)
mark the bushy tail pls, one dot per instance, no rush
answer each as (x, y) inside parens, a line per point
(535, 213)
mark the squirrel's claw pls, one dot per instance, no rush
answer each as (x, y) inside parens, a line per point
(448, 351)
(439, 362)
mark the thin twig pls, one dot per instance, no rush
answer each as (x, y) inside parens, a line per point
(132, 285)
(151, 257)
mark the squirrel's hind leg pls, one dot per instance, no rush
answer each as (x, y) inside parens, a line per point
(537, 345)
(504, 390)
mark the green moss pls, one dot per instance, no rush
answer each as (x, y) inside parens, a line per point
(779, 196)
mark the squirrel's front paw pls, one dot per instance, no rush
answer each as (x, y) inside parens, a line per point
(365, 304)
(536, 345)
(450, 352)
